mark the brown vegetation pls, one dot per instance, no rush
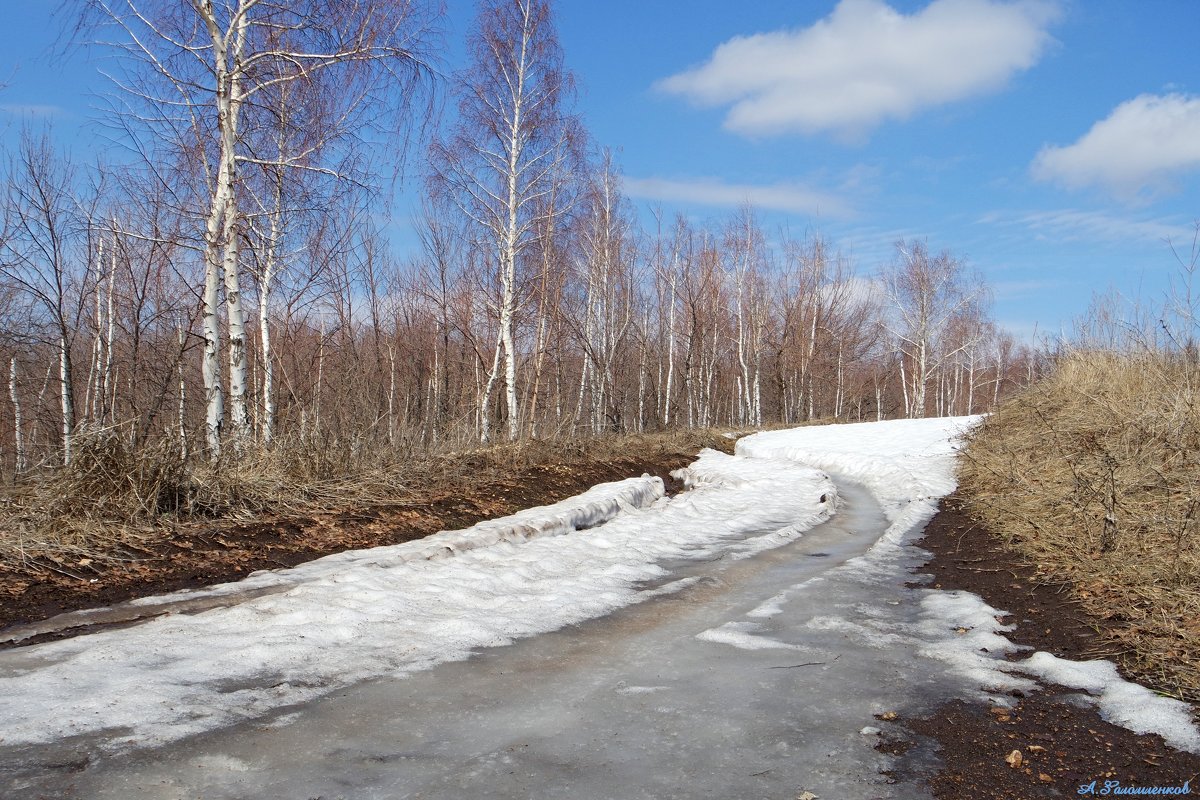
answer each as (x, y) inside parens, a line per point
(1094, 474)
(118, 517)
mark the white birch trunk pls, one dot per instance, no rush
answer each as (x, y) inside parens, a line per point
(108, 380)
(670, 353)
(18, 423)
(66, 393)
(182, 421)
(485, 399)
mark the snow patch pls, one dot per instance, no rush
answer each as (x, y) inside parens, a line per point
(1119, 701)
(962, 631)
(742, 635)
(907, 464)
(394, 610)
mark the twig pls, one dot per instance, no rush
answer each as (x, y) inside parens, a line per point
(808, 663)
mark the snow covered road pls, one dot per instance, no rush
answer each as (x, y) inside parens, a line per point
(732, 641)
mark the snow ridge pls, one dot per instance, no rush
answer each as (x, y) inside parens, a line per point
(393, 610)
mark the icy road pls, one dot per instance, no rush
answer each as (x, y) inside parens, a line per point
(734, 641)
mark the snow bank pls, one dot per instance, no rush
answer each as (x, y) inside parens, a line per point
(597, 505)
(394, 610)
(907, 464)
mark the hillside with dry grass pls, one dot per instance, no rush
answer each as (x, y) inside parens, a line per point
(116, 524)
(1093, 474)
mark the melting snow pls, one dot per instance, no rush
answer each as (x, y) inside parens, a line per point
(742, 635)
(1120, 702)
(393, 610)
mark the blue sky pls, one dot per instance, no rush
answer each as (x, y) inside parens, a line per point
(1053, 145)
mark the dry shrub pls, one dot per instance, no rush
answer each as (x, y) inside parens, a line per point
(112, 497)
(1094, 473)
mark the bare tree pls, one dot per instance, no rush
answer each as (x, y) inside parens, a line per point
(928, 293)
(44, 255)
(746, 264)
(198, 74)
(604, 303)
(502, 159)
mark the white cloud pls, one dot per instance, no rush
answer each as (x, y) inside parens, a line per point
(790, 197)
(1073, 225)
(865, 63)
(1145, 144)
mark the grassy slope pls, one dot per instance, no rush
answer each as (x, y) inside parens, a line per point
(1094, 475)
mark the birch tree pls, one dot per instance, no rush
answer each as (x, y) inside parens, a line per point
(501, 161)
(605, 304)
(927, 294)
(196, 76)
(745, 265)
(44, 256)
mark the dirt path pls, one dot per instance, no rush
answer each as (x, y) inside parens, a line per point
(662, 698)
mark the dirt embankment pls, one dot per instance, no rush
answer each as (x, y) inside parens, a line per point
(195, 554)
(1064, 745)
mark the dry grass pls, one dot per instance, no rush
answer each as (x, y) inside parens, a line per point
(111, 501)
(1094, 474)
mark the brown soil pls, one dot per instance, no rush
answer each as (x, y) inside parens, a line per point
(1064, 744)
(197, 555)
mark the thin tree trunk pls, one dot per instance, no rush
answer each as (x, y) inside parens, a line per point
(18, 424)
(67, 393)
(183, 447)
(109, 383)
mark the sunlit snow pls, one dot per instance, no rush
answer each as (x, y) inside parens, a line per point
(391, 610)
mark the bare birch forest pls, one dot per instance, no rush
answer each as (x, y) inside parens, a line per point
(223, 282)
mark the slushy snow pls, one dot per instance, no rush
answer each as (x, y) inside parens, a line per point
(391, 610)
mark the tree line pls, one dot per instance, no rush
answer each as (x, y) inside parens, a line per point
(225, 282)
